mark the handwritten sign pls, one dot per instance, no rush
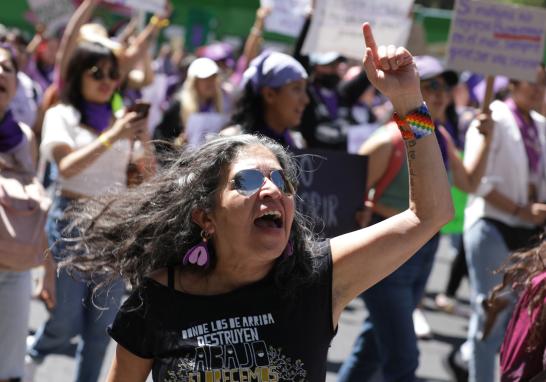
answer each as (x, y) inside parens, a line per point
(201, 125)
(497, 39)
(52, 13)
(152, 6)
(286, 17)
(332, 185)
(337, 25)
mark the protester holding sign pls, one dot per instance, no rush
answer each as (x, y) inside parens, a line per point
(219, 229)
(506, 210)
(387, 343)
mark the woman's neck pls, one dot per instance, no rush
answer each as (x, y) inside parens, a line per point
(224, 278)
(522, 107)
(273, 123)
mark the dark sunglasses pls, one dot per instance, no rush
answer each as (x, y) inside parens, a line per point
(98, 74)
(435, 85)
(248, 182)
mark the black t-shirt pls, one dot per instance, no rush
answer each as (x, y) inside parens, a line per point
(250, 334)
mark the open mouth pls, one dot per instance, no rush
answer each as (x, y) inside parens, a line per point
(270, 219)
(3, 89)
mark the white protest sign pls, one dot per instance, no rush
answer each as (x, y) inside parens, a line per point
(201, 125)
(337, 25)
(497, 39)
(52, 12)
(152, 6)
(357, 135)
(286, 17)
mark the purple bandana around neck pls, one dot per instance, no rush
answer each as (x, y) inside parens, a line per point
(284, 139)
(529, 134)
(96, 115)
(10, 133)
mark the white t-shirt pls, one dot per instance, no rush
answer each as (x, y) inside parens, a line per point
(507, 168)
(107, 173)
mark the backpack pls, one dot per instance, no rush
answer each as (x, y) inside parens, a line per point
(23, 211)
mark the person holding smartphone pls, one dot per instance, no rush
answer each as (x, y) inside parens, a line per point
(91, 148)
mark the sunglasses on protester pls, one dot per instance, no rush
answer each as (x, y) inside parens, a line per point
(435, 85)
(248, 182)
(98, 74)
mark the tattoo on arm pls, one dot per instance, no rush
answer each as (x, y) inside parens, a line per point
(411, 158)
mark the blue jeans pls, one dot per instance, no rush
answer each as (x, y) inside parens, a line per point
(77, 311)
(386, 345)
(485, 253)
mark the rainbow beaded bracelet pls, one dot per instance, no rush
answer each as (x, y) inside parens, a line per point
(416, 124)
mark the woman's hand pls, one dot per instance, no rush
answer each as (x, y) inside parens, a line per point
(485, 125)
(392, 71)
(130, 126)
(45, 289)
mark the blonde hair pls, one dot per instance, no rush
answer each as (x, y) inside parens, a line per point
(189, 99)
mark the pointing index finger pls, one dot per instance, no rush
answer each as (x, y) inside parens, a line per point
(369, 39)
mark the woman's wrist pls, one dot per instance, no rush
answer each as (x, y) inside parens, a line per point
(402, 105)
(159, 22)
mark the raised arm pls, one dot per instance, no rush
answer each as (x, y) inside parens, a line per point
(467, 176)
(364, 257)
(71, 33)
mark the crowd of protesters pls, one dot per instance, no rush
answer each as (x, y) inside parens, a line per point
(90, 113)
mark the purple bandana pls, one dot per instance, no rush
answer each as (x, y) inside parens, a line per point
(96, 115)
(273, 69)
(529, 134)
(10, 133)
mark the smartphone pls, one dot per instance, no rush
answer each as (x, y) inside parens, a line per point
(141, 108)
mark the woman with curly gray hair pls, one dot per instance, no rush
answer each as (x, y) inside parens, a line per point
(229, 283)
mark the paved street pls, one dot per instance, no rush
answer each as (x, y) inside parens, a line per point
(448, 330)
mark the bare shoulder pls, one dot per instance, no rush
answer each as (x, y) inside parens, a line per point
(231, 131)
(380, 140)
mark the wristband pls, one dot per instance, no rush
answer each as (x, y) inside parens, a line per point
(104, 141)
(159, 22)
(416, 124)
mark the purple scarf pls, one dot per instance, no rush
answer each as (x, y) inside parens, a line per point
(96, 115)
(529, 134)
(10, 133)
(284, 139)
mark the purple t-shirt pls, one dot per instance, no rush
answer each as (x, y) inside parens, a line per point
(516, 363)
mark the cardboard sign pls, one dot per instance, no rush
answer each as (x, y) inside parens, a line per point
(331, 190)
(497, 39)
(201, 125)
(337, 25)
(52, 13)
(152, 6)
(286, 17)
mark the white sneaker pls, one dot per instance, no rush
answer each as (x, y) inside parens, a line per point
(30, 369)
(420, 325)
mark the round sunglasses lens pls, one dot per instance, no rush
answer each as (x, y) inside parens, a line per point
(247, 182)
